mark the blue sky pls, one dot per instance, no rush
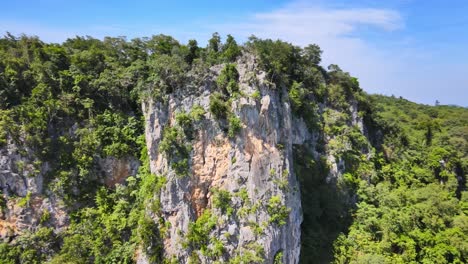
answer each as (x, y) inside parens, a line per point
(417, 49)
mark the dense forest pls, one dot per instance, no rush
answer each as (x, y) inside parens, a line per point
(400, 196)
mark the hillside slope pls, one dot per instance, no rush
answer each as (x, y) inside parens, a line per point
(151, 151)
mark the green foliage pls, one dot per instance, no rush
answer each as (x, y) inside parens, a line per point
(401, 198)
(282, 180)
(184, 120)
(230, 49)
(117, 134)
(198, 232)
(235, 125)
(279, 213)
(278, 258)
(194, 51)
(303, 106)
(252, 253)
(214, 48)
(296, 96)
(24, 202)
(197, 113)
(313, 53)
(256, 95)
(187, 121)
(410, 197)
(218, 106)
(228, 79)
(222, 200)
(45, 216)
(243, 195)
(173, 145)
(167, 73)
(278, 58)
(119, 220)
(7, 126)
(30, 247)
(217, 248)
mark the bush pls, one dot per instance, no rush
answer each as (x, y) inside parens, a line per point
(256, 95)
(228, 79)
(278, 258)
(184, 120)
(148, 233)
(235, 126)
(24, 202)
(167, 74)
(296, 96)
(177, 152)
(6, 125)
(199, 231)
(197, 112)
(222, 200)
(218, 106)
(278, 212)
(230, 49)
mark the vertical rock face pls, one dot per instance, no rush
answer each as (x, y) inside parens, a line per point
(18, 174)
(21, 185)
(27, 204)
(116, 170)
(245, 183)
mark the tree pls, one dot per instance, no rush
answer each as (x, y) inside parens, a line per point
(194, 51)
(213, 49)
(312, 54)
(230, 49)
(214, 44)
(162, 44)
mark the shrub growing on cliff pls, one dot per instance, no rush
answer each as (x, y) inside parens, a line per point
(172, 144)
(278, 258)
(218, 106)
(197, 112)
(296, 96)
(213, 49)
(235, 125)
(184, 120)
(117, 134)
(230, 49)
(222, 200)
(228, 79)
(199, 231)
(278, 212)
(6, 125)
(25, 201)
(303, 106)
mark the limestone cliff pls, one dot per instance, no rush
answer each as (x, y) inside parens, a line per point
(252, 171)
(28, 204)
(227, 151)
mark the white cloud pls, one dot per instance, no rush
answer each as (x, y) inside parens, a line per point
(399, 68)
(335, 30)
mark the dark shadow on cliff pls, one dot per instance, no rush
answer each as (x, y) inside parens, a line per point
(326, 208)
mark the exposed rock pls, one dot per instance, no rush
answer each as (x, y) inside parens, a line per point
(20, 174)
(21, 184)
(256, 159)
(26, 214)
(117, 170)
